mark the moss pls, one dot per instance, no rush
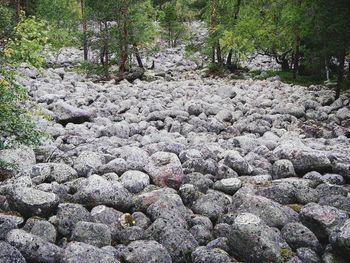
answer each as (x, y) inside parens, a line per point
(127, 220)
(286, 253)
(296, 207)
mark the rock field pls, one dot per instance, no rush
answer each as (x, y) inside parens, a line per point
(179, 168)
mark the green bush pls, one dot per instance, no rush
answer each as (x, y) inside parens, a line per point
(16, 123)
(28, 43)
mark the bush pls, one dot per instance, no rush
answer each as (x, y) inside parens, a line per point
(16, 124)
(28, 42)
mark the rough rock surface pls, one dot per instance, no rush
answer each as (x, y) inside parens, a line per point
(178, 167)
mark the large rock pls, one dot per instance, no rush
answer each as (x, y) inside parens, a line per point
(95, 234)
(6, 225)
(298, 235)
(9, 254)
(251, 240)
(49, 172)
(340, 239)
(29, 201)
(77, 252)
(304, 159)
(33, 248)
(283, 169)
(22, 157)
(145, 251)
(134, 181)
(228, 185)
(66, 113)
(212, 205)
(322, 220)
(68, 215)
(236, 162)
(204, 255)
(274, 214)
(87, 163)
(99, 191)
(165, 170)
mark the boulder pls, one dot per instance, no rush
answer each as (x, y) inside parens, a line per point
(165, 170)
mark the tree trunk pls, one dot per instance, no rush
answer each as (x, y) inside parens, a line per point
(213, 55)
(18, 10)
(138, 57)
(124, 45)
(326, 64)
(340, 74)
(296, 55)
(84, 24)
(213, 25)
(229, 58)
(218, 54)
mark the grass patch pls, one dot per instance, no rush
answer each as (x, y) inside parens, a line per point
(296, 207)
(287, 77)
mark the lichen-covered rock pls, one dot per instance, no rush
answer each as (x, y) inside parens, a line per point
(68, 215)
(134, 181)
(251, 240)
(212, 205)
(41, 228)
(99, 191)
(165, 170)
(31, 202)
(283, 169)
(22, 157)
(340, 239)
(204, 255)
(228, 186)
(145, 251)
(298, 235)
(322, 220)
(236, 162)
(33, 248)
(6, 225)
(95, 234)
(9, 254)
(87, 163)
(77, 252)
(49, 172)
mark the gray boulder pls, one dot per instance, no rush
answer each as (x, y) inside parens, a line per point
(10, 254)
(283, 169)
(6, 225)
(49, 172)
(32, 202)
(228, 186)
(99, 191)
(66, 113)
(134, 181)
(77, 252)
(33, 248)
(22, 157)
(165, 170)
(340, 239)
(145, 251)
(204, 255)
(236, 162)
(322, 220)
(41, 228)
(68, 215)
(212, 205)
(87, 163)
(251, 240)
(95, 234)
(298, 235)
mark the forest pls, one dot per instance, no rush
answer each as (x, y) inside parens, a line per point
(174, 131)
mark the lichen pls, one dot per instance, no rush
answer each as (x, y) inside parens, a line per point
(127, 220)
(296, 207)
(286, 253)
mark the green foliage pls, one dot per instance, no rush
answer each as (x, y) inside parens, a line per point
(7, 22)
(28, 42)
(16, 124)
(63, 18)
(172, 24)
